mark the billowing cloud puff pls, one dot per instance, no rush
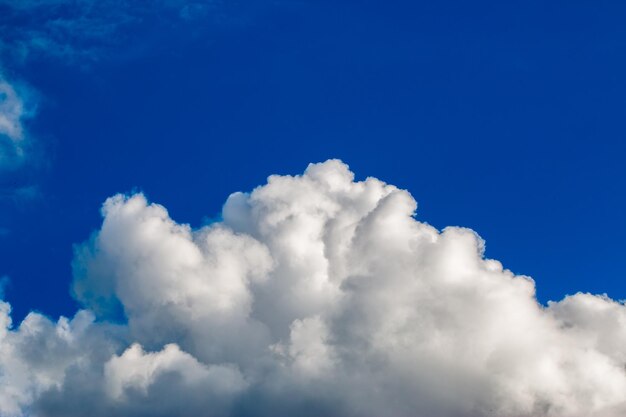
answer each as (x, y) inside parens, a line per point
(315, 295)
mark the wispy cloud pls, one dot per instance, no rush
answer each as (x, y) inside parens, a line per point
(84, 30)
(77, 33)
(11, 112)
(13, 136)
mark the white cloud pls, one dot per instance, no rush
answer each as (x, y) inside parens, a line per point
(150, 376)
(317, 295)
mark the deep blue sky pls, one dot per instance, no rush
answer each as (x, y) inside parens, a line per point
(505, 117)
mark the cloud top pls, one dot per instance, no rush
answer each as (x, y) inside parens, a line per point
(316, 295)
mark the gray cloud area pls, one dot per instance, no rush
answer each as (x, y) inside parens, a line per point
(316, 295)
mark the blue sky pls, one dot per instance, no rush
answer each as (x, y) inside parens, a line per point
(136, 280)
(505, 117)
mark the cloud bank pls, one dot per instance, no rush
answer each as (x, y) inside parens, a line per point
(315, 295)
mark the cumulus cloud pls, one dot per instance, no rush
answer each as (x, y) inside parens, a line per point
(316, 295)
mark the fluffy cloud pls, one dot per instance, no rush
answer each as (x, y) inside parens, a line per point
(316, 295)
